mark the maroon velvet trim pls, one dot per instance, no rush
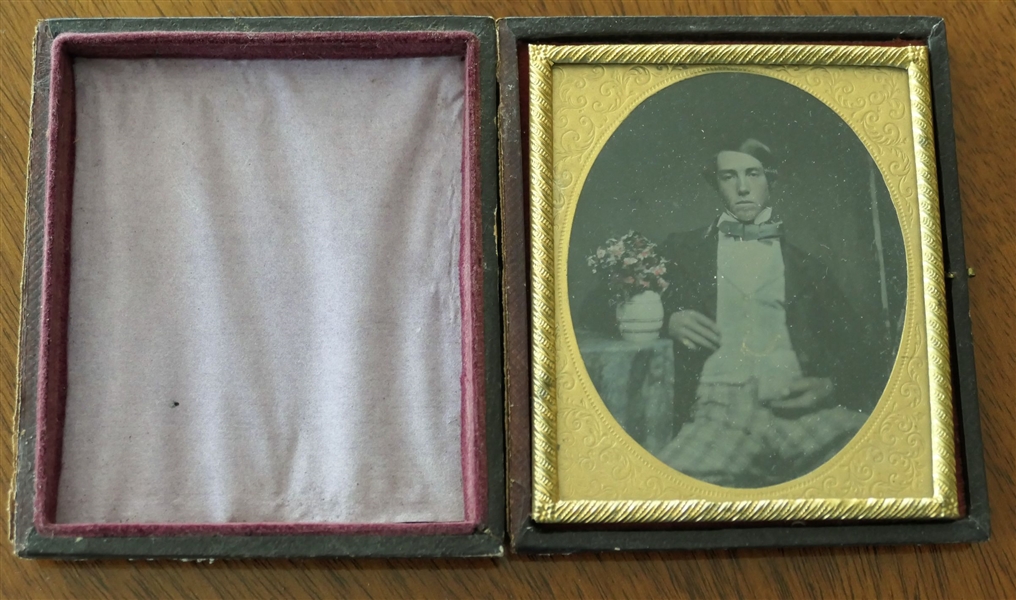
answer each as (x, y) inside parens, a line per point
(723, 42)
(237, 45)
(515, 253)
(474, 460)
(169, 529)
(52, 386)
(52, 383)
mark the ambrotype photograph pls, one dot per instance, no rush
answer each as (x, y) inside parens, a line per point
(737, 279)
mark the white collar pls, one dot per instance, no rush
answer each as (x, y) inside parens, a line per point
(762, 216)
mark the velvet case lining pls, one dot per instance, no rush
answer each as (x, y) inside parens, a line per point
(60, 185)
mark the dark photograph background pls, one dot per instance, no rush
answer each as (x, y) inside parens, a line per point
(648, 177)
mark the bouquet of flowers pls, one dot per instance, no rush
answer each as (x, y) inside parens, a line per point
(629, 265)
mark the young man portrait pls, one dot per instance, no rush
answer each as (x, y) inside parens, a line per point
(786, 271)
(770, 358)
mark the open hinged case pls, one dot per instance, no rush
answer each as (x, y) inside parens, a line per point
(267, 270)
(736, 299)
(261, 301)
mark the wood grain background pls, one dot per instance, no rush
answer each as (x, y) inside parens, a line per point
(982, 43)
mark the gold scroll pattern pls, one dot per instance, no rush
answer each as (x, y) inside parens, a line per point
(585, 467)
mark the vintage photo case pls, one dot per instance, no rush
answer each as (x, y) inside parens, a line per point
(738, 292)
(203, 341)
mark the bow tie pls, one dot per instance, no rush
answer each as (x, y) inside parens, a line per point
(751, 231)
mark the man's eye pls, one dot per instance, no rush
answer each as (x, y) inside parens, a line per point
(754, 173)
(726, 176)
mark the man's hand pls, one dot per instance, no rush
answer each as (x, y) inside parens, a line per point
(694, 330)
(804, 395)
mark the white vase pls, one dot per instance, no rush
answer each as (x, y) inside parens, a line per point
(641, 317)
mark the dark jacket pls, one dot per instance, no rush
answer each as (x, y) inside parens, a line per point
(826, 333)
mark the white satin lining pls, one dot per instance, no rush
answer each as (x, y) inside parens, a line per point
(264, 307)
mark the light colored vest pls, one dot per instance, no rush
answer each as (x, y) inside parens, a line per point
(752, 318)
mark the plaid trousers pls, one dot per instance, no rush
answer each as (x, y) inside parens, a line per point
(734, 441)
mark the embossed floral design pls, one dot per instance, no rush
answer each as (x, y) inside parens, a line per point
(886, 472)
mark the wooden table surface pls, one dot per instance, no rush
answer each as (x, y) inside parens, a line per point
(982, 44)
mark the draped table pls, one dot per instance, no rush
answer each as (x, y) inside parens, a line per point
(636, 382)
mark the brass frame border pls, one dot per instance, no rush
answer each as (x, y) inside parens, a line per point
(547, 507)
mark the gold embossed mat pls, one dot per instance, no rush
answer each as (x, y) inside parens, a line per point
(586, 468)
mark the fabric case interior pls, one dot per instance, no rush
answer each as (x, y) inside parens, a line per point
(262, 303)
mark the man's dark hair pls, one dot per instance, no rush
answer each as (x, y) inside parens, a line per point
(751, 147)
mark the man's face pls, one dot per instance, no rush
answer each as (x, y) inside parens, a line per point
(742, 184)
